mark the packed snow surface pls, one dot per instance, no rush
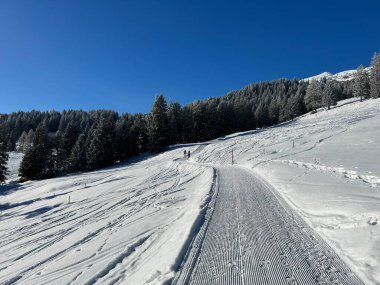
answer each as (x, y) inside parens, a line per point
(253, 237)
(300, 204)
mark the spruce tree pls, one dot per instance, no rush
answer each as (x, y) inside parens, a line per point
(175, 122)
(100, 148)
(28, 141)
(329, 98)
(123, 140)
(362, 88)
(3, 163)
(375, 76)
(37, 162)
(313, 97)
(77, 161)
(158, 125)
(69, 138)
(21, 142)
(139, 130)
(66, 144)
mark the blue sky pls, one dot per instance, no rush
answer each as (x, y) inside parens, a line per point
(95, 54)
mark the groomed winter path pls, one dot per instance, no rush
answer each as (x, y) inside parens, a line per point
(253, 237)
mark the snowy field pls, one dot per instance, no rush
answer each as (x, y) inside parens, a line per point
(127, 223)
(132, 224)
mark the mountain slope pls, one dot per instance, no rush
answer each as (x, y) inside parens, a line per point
(331, 177)
(132, 224)
(340, 76)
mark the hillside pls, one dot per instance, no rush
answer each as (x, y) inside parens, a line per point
(132, 223)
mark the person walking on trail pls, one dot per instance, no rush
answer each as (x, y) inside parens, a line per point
(184, 153)
(188, 154)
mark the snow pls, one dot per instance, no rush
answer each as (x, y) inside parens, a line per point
(14, 161)
(255, 238)
(123, 224)
(330, 177)
(134, 223)
(340, 76)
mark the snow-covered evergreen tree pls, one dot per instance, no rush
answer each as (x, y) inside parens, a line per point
(175, 122)
(100, 148)
(329, 98)
(78, 160)
(37, 162)
(313, 97)
(3, 162)
(375, 76)
(362, 87)
(21, 141)
(28, 141)
(158, 126)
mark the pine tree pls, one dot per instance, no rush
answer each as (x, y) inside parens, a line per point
(3, 163)
(261, 115)
(67, 143)
(139, 129)
(175, 122)
(100, 148)
(158, 126)
(123, 139)
(21, 142)
(362, 88)
(78, 160)
(28, 141)
(313, 97)
(329, 98)
(37, 162)
(9, 145)
(294, 107)
(375, 76)
(69, 138)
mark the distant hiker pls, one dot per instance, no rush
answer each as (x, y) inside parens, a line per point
(184, 153)
(188, 154)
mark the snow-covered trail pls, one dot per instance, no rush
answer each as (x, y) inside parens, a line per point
(253, 237)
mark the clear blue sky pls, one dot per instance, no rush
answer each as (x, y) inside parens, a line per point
(91, 54)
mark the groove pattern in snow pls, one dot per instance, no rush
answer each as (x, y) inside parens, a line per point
(253, 237)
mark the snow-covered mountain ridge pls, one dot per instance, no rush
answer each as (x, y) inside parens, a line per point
(340, 76)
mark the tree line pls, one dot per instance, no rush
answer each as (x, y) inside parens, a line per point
(57, 143)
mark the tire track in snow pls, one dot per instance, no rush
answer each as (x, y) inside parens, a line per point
(253, 237)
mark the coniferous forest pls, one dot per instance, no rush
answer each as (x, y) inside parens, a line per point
(56, 143)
